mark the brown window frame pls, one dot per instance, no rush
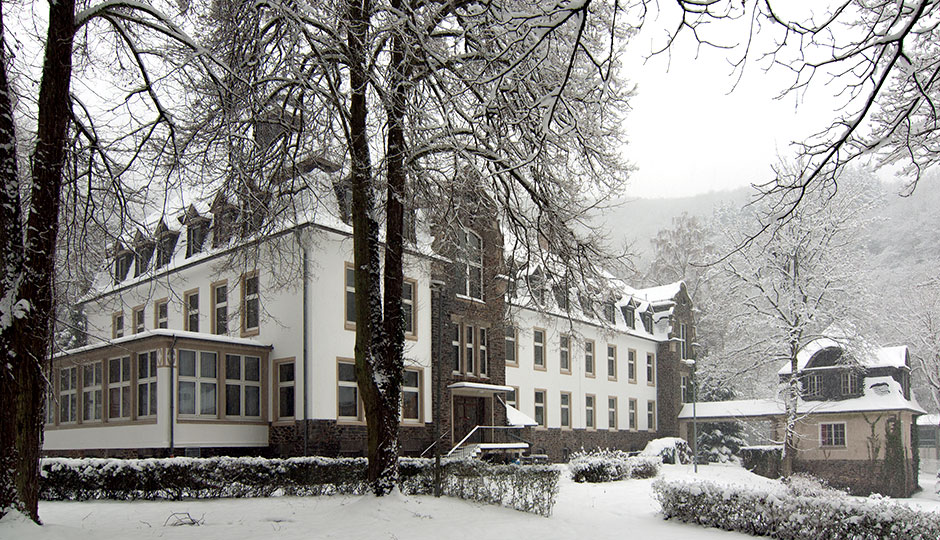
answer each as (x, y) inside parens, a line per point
(279, 384)
(515, 345)
(561, 409)
(611, 374)
(138, 313)
(115, 332)
(592, 409)
(564, 353)
(214, 298)
(360, 417)
(187, 312)
(631, 366)
(650, 369)
(615, 410)
(592, 354)
(536, 346)
(247, 331)
(156, 313)
(535, 393)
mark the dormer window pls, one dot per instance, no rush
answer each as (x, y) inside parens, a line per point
(561, 297)
(142, 255)
(849, 384)
(812, 386)
(166, 242)
(647, 318)
(610, 312)
(224, 225)
(196, 232)
(122, 264)
(468, 266)
(629, 315)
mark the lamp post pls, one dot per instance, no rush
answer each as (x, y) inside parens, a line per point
(694, 419)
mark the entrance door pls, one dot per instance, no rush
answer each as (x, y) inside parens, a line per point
(468, 413)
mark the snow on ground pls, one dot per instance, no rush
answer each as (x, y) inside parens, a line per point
(610, 510)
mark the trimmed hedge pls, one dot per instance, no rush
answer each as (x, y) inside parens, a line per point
(791, 515)
(611, 465)
(527, 488)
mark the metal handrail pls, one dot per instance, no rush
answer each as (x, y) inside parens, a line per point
(439, 439)
(474, 430)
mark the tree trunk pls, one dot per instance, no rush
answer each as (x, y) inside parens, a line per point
(26, 337)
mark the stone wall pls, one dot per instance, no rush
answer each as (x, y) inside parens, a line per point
(558, 444)
(860, 477)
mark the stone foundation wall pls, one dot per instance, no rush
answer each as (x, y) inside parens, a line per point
(332, 439)
(558, 444)
(860, 477)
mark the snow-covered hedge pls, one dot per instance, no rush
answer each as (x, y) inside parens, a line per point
(672, 450)
(610, 465)
(528, 488)
(787, 513)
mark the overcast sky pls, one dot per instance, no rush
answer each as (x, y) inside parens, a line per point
(689, 135)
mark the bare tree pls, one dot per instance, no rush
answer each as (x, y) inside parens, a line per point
(65, 132)
(793, 286)
(878, 57)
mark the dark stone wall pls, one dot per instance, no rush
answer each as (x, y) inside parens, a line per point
(332, 439)
(669, 370)
(558, 444)
(860, 477)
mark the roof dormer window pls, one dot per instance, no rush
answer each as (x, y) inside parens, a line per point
(647, 318)
(143, 252)
(166, 243)
(122, 264)
(196, 232)
(610, 312)
(629, 315)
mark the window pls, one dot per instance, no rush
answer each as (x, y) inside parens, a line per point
(561, 297)
(538, 348)
(138, 318)
(166, 241)
(91, 392)
(251, 305)
(612, 412)
(629, 315)
(285, 390)
(347, 392)
(68, 385)
(350, 274)
(564, 353)
(612, 362)
(458, 332)
(632, 413)
(468, 339)
(119, 387)
(471, 350)
(117, 325)
(610, 312)
(220, 308)
(565, 402)
(50, 402)
(198, 383)
(468, 266)
(512, 351)
(647, 318)
(589, 411)
(191, 310)
(196, 235)
(849, 383)
(224, 225)
(540, 408)
(589, 358)
(631, 365)
(650, 369)
(812, 386)
(683, 341)
(484, 359)
(160, 313)
(686, 391)
(832, 434)
(511, 398)
(651, 415)
(411, 395)
(242, 386)
(122, 264)
(147, 384)
(409, 313)
(142, 254)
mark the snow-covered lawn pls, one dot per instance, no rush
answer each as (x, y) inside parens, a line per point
(620, 510)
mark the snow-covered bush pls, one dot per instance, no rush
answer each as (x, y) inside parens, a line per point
(610, 465)
(527, 488)
(783, 512)
(807, 485)
(671, 450)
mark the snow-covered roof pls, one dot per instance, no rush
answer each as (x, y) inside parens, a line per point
(481, 387)
(929, 420)
(867, 357)
(515, 417)
(184, 334)
(880, 394)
